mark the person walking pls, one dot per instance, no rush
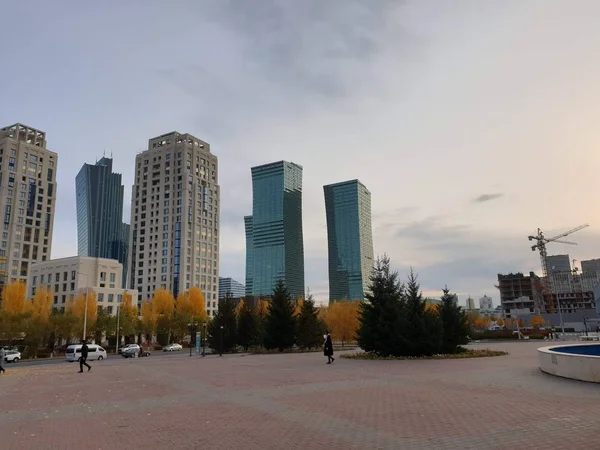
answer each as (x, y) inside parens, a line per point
(83, 358)
(2, 356)
(328, 348)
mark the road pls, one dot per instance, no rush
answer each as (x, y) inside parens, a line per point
(111, 357)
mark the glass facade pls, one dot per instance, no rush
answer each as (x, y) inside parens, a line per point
(100, 229)
(231, 287)
(274, 241)
(249, 254)
(349, 238)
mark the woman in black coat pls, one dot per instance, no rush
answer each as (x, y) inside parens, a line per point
(328, 349)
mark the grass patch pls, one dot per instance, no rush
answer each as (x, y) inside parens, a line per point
(463, 354)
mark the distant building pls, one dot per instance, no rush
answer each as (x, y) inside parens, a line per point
(349, 239)
(100, 229)
(590, 266)
(68, 277)
(520, 293)
(228, 286)
(486, 303)
(470, 304)
(558, 263)
(274, 240)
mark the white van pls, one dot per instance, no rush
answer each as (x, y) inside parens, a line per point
(95, 352)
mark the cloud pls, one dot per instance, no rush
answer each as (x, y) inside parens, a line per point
(487, 197)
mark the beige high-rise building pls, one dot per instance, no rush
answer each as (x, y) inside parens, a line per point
(174, 237)
(27, 200)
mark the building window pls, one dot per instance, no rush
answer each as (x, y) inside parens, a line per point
(73, 274)
(102, 276)
(100, 297)
(34, 280)
(110, 298)
(65, 276)
(113, 277)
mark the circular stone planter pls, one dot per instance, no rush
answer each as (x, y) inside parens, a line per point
(575, 361)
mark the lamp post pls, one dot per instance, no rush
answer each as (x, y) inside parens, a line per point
(192, 327)
(221, 343)
(204, 339)
(117, 343)
(562, 323)
(86, 303)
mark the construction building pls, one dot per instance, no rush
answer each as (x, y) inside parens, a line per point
(591, 265)
(520, 294)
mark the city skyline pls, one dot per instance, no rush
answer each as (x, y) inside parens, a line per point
(433, 125)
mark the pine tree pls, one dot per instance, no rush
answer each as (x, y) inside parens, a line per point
(423, 330)
(310, 327)
(280, 326)
(381, 316)
(454, 323)
(247, 326)
(225, 338)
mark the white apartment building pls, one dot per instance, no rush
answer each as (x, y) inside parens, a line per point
(174, 233)
(68, 277)
(27, 200)
(486, 303)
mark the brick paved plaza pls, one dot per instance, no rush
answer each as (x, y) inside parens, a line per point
(298, 402)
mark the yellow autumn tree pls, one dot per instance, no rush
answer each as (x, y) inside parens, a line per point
(163, 303)
(298, 308)
(41, 304)
(482, 322)
(239, 307)
(13, 297)
(432, 307)
(262, 308)
(342, 320)
(148, 319)
(197, 304)
(128, 320)
(537, 321)
(163, 306)
(77, 306)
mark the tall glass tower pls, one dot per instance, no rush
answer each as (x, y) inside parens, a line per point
(274, 242)
(100, 229)
(349, 238)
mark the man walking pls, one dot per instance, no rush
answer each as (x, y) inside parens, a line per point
(82, 359)
(2, 356)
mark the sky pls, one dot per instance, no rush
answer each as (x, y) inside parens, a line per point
(472, 122)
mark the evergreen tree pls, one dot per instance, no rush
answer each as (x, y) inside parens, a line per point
(381, 317)
(310, 327)
(280, 324)
(454, 323)
(226, 338)
(423, 330)
(247, 331)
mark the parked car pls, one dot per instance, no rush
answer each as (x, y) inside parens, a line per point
(172, 348)
(95, 352)
(12, 356)
(123, 348)
(131, 351)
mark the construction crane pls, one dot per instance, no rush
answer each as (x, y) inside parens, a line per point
(541, 246)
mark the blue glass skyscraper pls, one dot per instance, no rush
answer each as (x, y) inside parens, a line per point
(274, 241)
(100, 229)
(349, 239)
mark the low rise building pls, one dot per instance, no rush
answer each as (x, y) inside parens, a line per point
(68, 277)
(231, 287)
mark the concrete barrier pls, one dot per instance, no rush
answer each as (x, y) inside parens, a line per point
(575, 361)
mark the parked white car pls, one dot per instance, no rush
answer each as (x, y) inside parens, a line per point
(172, 348)
(12, 356)
(95, 352)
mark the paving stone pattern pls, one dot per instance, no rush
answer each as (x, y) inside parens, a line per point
(298, 402)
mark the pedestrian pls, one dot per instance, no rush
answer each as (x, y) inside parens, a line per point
(83, 358)
(2, 356)
(328, 348)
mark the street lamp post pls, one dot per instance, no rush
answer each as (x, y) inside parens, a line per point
(86, 303)
(221, 343)
(562, 323)
(204, 339)
(192, 327)
(117, 343)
